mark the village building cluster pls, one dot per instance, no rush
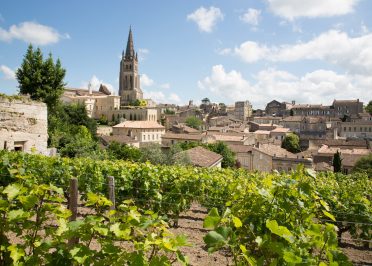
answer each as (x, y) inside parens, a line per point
(255, 136)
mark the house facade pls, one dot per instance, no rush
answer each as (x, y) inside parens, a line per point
(142, 131)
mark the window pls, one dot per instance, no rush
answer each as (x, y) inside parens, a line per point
(153, 137)
(144, 137)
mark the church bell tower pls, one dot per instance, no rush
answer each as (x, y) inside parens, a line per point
(129, 79)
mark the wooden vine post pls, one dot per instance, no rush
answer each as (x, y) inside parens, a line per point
(73, 205)
(111, 191)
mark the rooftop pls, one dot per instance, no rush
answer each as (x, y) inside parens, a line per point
(200, 156)
(275, 151)
(139, 125)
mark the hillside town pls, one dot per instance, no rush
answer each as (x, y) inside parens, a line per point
(255, 136)
(188, 133)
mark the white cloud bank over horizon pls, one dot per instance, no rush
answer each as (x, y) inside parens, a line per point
(319, 86)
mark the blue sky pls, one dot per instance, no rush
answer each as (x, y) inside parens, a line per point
(308, 51)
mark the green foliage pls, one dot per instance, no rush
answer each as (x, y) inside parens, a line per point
(138, 102)
(103, 120)
(28, 208)
(168, 112)
(123, 152)
(193, 122)
(364, 165)
(71, 131)
(261, 218)
(291, 143)
(368, 108)
(222, 149)
(41, 79)
(337, 162)
(154, 154)
(271, 222)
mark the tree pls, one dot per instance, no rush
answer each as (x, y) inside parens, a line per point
(222, 149)
(193, 122)
(291, 143)
(364, 165)
(368, 108)
(79, 143)
(337, 162)
(41, 79)
(123, 152)
(153, 153)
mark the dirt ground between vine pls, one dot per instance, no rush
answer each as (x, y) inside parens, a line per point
(191, 225)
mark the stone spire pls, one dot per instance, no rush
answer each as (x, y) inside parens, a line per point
(129, 53)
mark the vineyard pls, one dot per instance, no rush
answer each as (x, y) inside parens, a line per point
(255, 218)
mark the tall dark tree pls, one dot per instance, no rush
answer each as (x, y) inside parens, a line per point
(41, 79)
(368, 108)
(337, 162)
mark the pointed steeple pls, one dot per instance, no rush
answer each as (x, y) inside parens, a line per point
(129, 53)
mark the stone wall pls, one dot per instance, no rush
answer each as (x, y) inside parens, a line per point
(23, 125)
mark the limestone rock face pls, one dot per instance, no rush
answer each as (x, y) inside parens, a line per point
(23, 125)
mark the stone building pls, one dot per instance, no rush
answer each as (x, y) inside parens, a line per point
(306, 126)
(143, 131)
(268, 157)
(275, 108)
(349, 156)
(243, 110)
(129, 79)
(359, 129)
(311, 110)
(23, 125)
(347, 107)
(97, 103)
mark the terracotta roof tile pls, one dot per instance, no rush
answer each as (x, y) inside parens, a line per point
(200, 156)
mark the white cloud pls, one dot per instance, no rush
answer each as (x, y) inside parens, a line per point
(319, 86)
(8, 72)
(363, 28)
(160, 97)
(165, 86)
(95, 83)
(146, 81)
(252, 16)
(224, 51)
(251, 51)
(32, 32)
(354, 54)
(206, 18)
(292, 9)
(142, 53)
(230, 85)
